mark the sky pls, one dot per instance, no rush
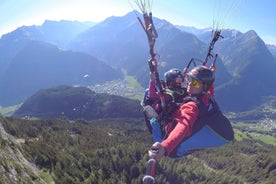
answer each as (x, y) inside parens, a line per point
(242, 15)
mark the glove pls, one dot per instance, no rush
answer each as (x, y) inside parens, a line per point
(213, 68)
(157, 151)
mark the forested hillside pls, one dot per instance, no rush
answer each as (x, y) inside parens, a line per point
(114, 151)
(77, 103)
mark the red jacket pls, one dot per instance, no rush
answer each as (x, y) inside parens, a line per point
(186, 116)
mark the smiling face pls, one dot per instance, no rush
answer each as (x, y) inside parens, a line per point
(174, 78)
(178, 81)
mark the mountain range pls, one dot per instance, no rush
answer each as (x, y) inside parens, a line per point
(82, 136)
(29, 63)
(34, 58)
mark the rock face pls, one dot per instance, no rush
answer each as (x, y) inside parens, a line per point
(14, 167)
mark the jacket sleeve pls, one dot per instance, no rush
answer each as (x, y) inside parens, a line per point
(152, 90)
(186, 117)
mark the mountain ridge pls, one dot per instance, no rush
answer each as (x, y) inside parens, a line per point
(41, 65)
(122, 48)
(77, 103)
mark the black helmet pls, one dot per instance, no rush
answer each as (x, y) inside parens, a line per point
(204, 75)
(172, 75)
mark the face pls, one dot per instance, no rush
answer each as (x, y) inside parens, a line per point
(194, 86)
(179, 81)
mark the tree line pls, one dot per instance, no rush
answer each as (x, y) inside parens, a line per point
(115, 151)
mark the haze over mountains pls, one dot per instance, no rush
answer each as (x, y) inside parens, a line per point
(74, 53)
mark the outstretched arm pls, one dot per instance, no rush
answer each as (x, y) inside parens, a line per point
(185, 117)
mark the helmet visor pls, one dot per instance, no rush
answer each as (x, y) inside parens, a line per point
(194, 82)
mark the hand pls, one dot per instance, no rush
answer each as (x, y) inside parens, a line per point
(157, 150)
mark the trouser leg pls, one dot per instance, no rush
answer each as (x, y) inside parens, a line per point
(156, 130)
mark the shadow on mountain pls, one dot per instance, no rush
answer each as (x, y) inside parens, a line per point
(77, 103)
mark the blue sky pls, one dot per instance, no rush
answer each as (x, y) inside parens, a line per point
(243, 15)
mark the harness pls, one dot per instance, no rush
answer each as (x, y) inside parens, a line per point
(204, 111)
(209, 115)
(176, 99)
(177, 96)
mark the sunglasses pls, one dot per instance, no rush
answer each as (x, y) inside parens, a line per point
(194, 82)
